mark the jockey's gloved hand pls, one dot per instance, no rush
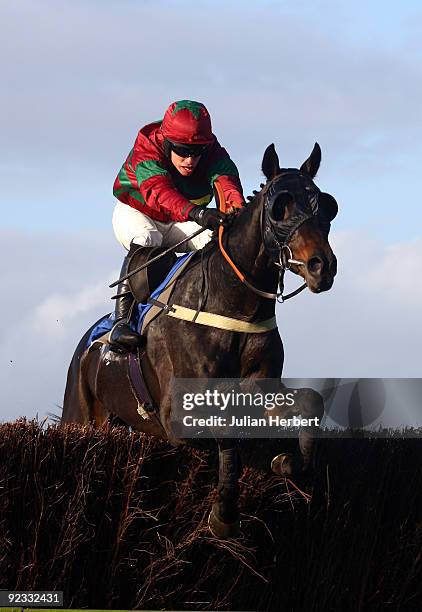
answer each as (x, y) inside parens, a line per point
(210, 218)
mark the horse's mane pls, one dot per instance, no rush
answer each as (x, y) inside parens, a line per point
(255, 192)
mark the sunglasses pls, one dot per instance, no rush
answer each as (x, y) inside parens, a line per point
(188, 150)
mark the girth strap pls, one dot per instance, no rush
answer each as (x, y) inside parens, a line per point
(221, 322)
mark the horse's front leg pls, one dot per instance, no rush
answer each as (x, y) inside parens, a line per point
(224, 520)
(309, 405)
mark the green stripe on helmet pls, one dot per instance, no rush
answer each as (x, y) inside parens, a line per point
(193, 107)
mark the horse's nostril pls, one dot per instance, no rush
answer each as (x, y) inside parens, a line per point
(315, 265)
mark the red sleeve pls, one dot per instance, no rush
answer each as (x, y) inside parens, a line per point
(160, 193)
(233, 193)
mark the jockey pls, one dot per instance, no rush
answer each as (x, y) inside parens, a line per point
(163, 189)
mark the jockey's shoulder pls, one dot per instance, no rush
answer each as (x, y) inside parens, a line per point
(149, 134)
(149, 142)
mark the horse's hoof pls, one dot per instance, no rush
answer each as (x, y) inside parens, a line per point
(283, 465)
(222, 530)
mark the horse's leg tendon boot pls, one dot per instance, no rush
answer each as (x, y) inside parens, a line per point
(122, 335)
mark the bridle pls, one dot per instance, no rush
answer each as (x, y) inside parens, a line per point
(276, 235)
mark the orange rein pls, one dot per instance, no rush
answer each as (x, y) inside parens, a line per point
(222, 207)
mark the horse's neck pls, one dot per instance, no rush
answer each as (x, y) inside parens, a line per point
(243, 242)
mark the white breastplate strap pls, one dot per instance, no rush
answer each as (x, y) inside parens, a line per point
(216, 320)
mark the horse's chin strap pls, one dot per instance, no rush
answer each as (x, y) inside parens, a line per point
(282, 298)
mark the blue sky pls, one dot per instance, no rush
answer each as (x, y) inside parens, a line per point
(85, 76)
(80, 78)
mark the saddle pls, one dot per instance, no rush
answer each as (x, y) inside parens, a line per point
(143, 283)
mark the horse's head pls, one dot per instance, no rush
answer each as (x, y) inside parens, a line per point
(296, 218)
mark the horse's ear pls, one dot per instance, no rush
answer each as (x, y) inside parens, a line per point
(311, 165)
(270, 165)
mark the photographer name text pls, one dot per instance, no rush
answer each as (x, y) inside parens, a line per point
(248, 421)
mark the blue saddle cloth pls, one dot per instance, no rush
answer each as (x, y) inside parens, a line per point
(107, 323)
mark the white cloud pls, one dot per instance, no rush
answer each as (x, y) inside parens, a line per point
(64, 309)
(367, 325)
(56, 287)
(388, 272)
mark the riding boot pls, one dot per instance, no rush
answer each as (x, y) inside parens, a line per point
(121, 334)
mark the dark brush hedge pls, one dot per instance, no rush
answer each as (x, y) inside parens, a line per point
(118, 520)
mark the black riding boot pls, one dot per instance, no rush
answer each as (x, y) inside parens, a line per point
(121, 334)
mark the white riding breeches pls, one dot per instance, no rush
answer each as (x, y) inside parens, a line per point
(130, 225)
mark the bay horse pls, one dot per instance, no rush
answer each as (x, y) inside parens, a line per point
(285, 226)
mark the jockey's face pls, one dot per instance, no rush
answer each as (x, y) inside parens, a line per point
(184, 165)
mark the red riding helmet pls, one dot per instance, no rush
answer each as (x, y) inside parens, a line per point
(187, 122)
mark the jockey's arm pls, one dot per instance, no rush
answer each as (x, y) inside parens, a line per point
(224, 170)
(233, 195)
(160, 193)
